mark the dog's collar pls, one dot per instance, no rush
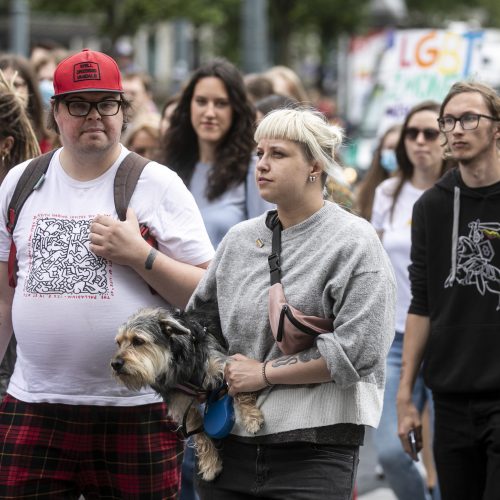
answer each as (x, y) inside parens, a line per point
(192, 389)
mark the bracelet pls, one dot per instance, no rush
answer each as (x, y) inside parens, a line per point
(266, 380)
(150, 259)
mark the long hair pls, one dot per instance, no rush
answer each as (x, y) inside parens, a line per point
(15, 123)
(375, 175)
(233, 153)
(35, 105)
(405, 171)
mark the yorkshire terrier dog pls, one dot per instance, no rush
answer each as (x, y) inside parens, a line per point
(170, 350)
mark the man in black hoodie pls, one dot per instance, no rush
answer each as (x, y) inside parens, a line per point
(453, 324)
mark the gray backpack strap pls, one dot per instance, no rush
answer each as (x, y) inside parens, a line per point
(126, 178)
(30, 180)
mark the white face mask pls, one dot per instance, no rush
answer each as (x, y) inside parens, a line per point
(46, 88)
(388, 160)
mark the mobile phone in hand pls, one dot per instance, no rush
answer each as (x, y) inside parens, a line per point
(413, 445)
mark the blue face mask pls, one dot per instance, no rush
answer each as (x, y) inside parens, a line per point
(46, 88)
(388, 160)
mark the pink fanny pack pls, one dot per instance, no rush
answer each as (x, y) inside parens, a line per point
(292, 330)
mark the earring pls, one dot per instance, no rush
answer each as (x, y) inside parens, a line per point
(312, 178)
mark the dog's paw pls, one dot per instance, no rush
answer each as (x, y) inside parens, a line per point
(252, 420)
(210, 470)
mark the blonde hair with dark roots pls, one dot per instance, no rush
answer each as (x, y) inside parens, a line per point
(15, 122)
(309, 128)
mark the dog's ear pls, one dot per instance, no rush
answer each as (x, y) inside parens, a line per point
(172, 326)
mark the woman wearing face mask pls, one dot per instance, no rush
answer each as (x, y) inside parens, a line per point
(419, 155)
(384, 164)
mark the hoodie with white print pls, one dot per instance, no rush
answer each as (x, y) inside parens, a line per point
(455, 280)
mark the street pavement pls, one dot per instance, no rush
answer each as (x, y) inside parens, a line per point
(369, 485)
(378, 494)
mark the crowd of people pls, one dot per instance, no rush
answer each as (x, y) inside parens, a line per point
(243, 194)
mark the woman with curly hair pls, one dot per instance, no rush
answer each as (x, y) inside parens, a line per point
(210, 145)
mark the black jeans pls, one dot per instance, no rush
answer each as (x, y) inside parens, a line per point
(467, 446)
(295, 471)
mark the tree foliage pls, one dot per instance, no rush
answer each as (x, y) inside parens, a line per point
(124, 17)
(327, 18)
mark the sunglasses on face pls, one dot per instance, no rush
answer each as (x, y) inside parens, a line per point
(430, 134)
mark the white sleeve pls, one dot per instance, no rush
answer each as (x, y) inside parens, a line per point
(178, 226)
(381, 208)
(6, 191)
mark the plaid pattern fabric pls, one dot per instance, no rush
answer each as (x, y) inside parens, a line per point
(61, 451)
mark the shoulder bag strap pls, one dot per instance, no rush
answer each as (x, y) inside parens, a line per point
(274, 223)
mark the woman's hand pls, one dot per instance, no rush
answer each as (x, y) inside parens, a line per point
(243, 374)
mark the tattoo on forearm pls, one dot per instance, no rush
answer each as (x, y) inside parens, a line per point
(286, 360)
(303, 357)
(310, 354)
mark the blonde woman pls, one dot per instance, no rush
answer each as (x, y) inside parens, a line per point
(316, 402)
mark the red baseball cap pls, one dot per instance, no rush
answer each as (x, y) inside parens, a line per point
(87, 71)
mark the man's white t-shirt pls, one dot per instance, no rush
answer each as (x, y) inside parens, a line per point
(396, 236)
(69, 303)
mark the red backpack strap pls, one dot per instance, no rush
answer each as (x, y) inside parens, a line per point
(31, 179)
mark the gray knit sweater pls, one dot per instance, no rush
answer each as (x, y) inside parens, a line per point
(332, 265)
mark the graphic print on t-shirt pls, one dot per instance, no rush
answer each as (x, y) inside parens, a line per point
(60, 261)
(474, 255)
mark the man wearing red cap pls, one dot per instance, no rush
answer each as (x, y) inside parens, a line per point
(66, 426)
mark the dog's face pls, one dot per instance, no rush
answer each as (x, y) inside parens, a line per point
(150, 344)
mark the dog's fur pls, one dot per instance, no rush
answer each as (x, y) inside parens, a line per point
(164, 348)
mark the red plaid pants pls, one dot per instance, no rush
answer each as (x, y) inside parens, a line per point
(60, 451)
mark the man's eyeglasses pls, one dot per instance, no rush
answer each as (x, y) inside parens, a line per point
(469, 121)
(108, 107)
(430, 134)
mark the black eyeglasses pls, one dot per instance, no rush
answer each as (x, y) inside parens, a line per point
(108, 107)
(430, 134)
(469, 121)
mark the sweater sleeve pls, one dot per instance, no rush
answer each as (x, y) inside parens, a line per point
(418, 267)
(364, 310)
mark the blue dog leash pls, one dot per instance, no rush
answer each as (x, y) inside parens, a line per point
(218, 417)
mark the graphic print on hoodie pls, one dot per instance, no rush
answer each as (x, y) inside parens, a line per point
(455, 281)
(472, 256)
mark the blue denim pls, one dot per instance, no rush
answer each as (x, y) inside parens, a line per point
(400, 471)
(188, 491)
(291, 471)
